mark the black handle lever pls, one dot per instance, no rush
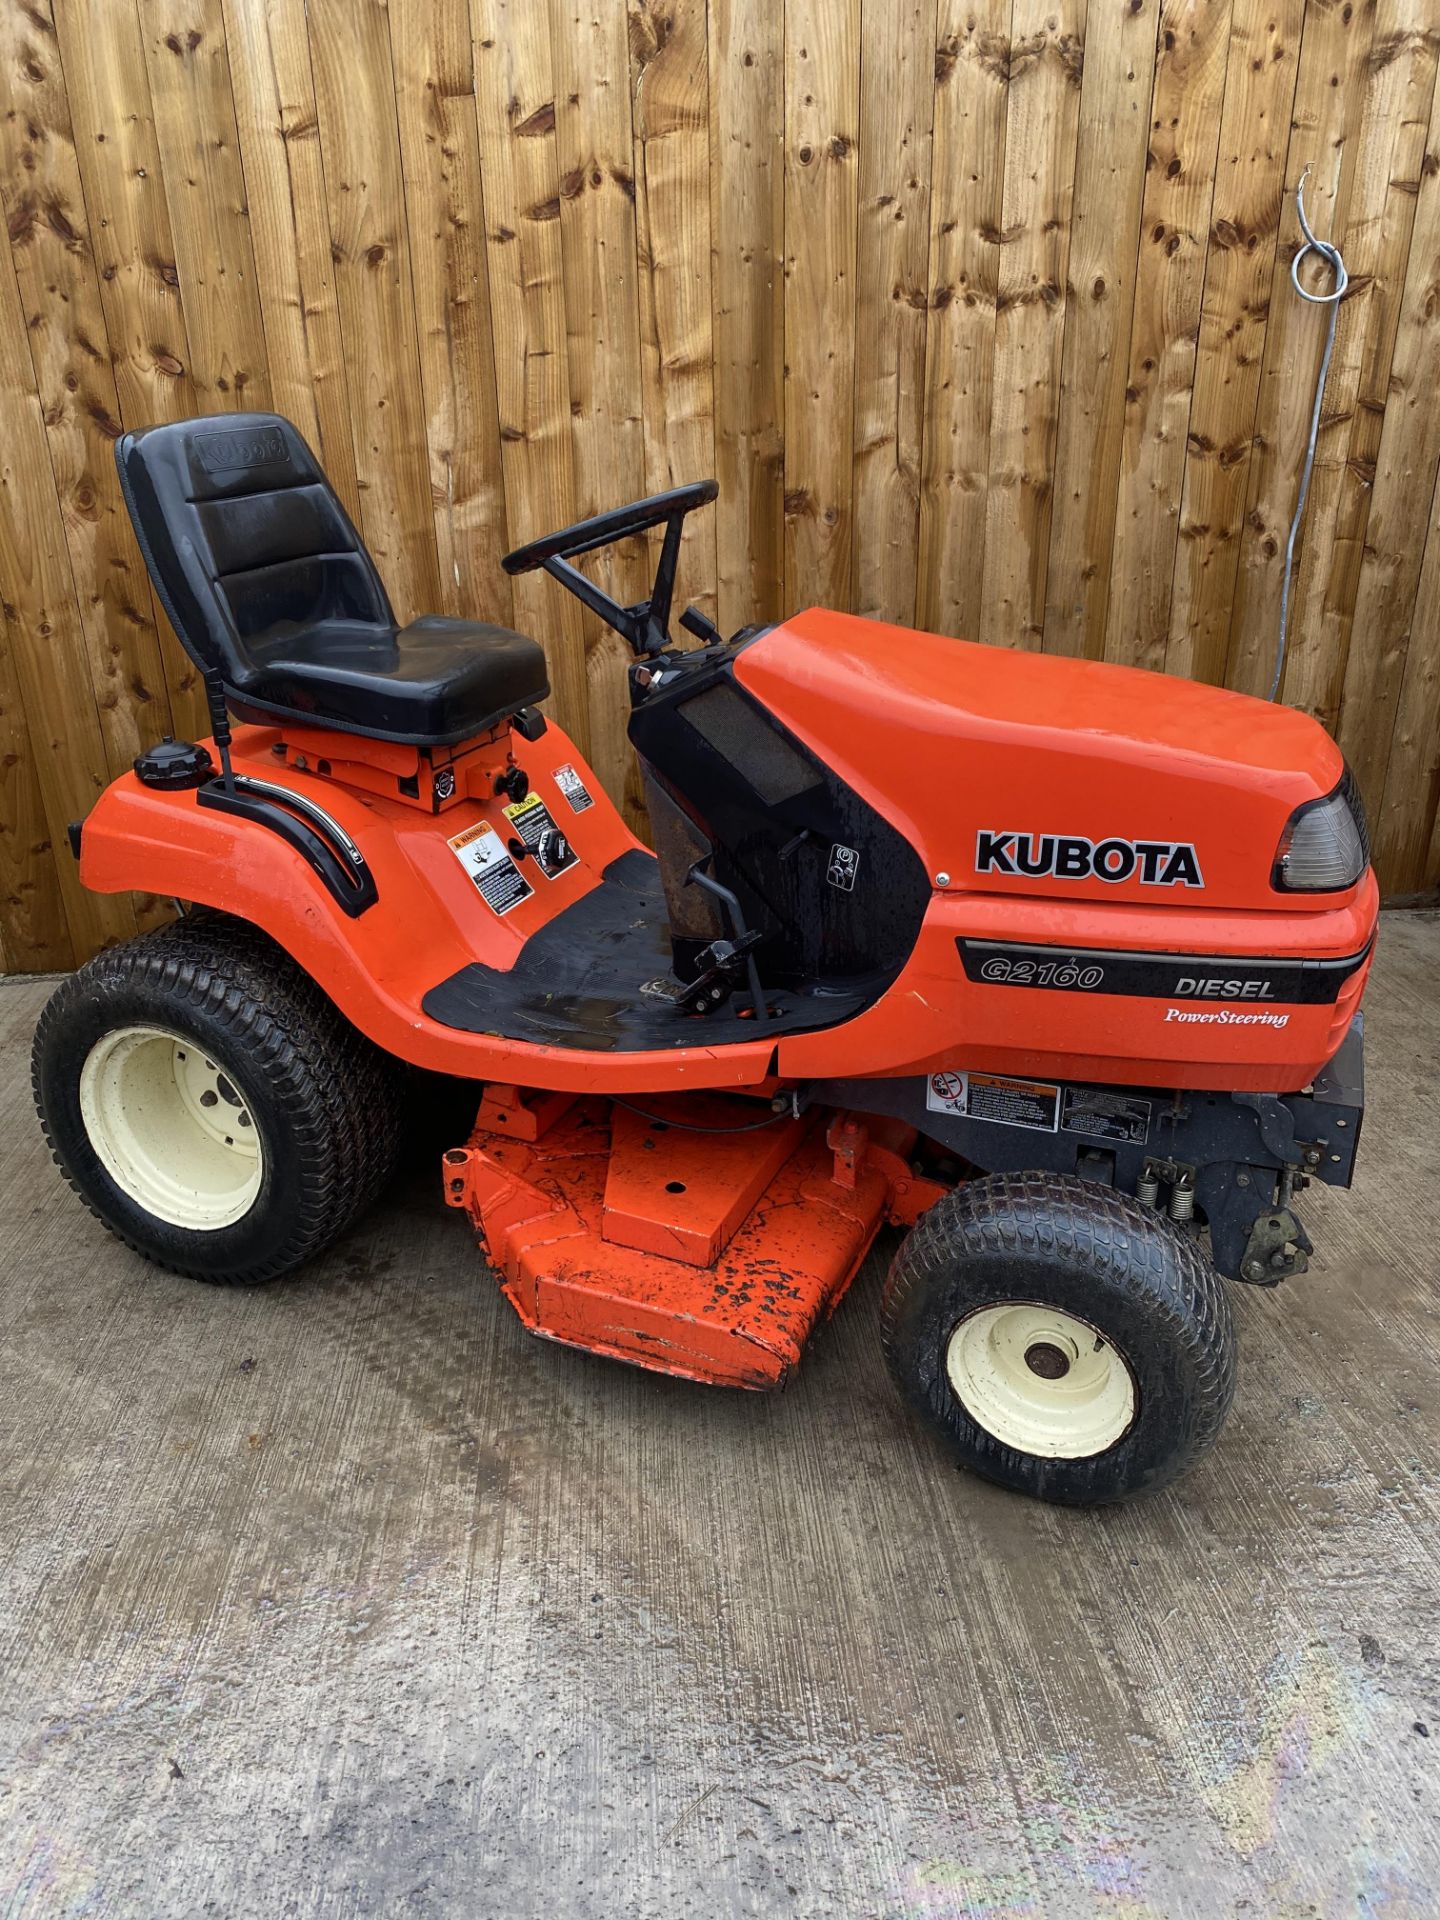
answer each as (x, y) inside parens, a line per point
(704, 629)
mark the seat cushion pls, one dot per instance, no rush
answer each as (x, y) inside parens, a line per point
(432, 683)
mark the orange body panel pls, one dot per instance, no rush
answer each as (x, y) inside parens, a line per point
(945, 739)
(430, 919)
(933, 1018)
(948, 740)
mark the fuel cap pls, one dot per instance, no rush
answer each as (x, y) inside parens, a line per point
(173, 764)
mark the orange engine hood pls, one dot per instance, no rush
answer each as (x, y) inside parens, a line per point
(978, 754)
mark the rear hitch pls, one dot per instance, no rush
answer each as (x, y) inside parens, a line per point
(1278, 1247)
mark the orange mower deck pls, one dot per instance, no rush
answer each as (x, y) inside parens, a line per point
(712, 1254)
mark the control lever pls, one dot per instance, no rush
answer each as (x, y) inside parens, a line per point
(550, 848)
(739, 957)
(704, 629)
(722, 965)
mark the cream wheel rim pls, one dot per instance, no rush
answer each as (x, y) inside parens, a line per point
(171, 1128)
(1041, 1381)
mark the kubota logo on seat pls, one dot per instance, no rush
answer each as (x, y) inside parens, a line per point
(1155, 863)
(248, 447)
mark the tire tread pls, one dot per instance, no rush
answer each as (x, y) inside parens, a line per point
(1111, 1237)
(343, 1094)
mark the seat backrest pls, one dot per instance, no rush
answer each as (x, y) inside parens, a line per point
(243, 536)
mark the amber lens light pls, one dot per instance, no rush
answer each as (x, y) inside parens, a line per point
(1326, 844)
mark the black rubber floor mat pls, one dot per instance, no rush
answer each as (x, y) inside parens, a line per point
(578, 982)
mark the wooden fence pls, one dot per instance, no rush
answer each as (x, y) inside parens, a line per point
(979, 311)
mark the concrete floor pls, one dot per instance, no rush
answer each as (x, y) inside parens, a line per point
(346, 1597)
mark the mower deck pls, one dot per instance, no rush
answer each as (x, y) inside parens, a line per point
(709, 1254)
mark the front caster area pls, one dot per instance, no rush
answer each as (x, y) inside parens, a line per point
(1063, 1339)
(210, 1105)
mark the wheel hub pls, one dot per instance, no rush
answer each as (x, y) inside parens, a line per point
(171, 1128)
(1047, 1360)
(1041, 1381)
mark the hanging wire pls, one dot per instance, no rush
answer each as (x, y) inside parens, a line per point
(1331, 256)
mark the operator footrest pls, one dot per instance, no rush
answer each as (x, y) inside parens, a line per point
(587, 981)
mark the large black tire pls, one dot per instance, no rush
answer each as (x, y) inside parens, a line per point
(1141, 1286)
(323, 1101)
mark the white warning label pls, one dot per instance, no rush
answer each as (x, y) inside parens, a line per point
(573, 788)
(485, 857)
(996, 1096)
(1106, 1116)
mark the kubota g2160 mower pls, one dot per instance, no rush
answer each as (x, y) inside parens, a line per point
(1055, 964)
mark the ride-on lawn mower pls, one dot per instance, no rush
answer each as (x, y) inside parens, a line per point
(1055, 964)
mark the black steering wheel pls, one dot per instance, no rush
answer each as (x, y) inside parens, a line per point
(647, 626)
(603, 528)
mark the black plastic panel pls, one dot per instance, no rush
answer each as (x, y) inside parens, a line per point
(835, 890)
(579, 982)
(1244, 979)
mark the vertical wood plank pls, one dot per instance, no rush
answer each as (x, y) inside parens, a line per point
(108, 90)
(822, 108)
(189, 72)
(440, 146)
(1110, 169)
(1326, 123)
(747, 214)
(669, 78)
(119, 158)
(360, 147)
(515, 99)
(1245, 222)
(69, 366)
(1405, 480)
(42, 635)
(1046, 61)
(1174, 231)
(34, 932)
(897, 97)
(279, 133)
(972, 63)
(595, 151)
(1400, 87)
(1401, 824)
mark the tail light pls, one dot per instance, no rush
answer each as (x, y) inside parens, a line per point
(1325, 847)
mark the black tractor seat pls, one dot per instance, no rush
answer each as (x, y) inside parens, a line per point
(429, 684)
(268, 584)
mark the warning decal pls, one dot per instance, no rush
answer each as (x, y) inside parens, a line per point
(995, 1096)
(1106, 1116)
(573, 788)
(484, 856)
